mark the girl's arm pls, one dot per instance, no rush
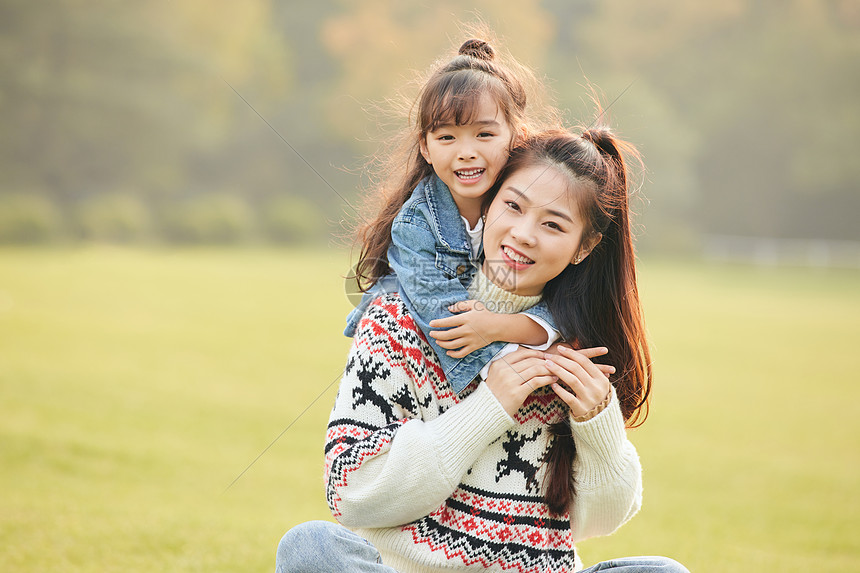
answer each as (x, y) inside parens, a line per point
(430, 286)
(476, 326)
(385, 464)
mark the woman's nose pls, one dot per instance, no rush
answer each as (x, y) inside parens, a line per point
(523, 234)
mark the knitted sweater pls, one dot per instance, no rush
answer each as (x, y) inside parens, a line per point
(438, 481)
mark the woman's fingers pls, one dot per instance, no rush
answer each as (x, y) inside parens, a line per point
(522, 354)
(587, 352)
(565, 375)
(606, 369)
(583, 360)
(567, 397)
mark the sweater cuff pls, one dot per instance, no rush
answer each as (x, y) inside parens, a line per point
(604, 438)
(466, 429)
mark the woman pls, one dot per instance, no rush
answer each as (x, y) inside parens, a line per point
(427, 479)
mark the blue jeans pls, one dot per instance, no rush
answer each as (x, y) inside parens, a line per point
(325, 547)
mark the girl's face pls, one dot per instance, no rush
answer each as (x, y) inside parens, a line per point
(533, 230)
(469, 157)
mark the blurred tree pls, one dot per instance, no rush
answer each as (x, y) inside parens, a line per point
(770, 90)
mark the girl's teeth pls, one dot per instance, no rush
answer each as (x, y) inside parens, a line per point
(516, 257)
(469, 173)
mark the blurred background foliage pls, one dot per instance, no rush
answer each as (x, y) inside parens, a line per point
(120, 124)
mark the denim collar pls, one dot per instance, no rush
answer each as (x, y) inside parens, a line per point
(446, 216)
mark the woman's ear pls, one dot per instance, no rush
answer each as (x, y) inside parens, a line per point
(422, 147)
(586, 247)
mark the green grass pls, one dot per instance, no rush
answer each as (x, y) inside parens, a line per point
(136, 385)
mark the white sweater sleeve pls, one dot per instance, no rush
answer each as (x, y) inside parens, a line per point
(608, 474)
(385, 466)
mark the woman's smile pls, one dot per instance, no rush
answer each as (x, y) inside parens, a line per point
(533, 230)
(514, 258)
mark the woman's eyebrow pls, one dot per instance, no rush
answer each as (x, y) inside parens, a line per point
(523, 197)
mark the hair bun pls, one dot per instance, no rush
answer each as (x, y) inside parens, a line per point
(477, 49)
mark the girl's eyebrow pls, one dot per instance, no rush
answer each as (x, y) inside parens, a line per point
(524, 197)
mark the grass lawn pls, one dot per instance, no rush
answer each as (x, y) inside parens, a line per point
(137, 385)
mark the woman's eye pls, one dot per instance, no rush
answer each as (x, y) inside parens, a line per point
(512, 205)
(552, 225)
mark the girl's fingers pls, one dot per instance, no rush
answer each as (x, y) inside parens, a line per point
(446, 322)
(449, 334)
(462, 306)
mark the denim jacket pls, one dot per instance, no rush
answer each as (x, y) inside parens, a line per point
(431, 261)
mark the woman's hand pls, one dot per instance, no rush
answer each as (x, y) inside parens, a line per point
(582, 384)
(512, 378)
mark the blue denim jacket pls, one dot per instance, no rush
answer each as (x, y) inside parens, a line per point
(431, 262)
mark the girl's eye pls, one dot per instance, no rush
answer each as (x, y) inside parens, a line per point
(486, 134)
(445, 138)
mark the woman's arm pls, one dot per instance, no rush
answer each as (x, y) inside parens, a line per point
(386, 465)
(607, 470)
(608, 474)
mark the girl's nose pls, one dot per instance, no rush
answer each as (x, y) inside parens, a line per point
(466, 152)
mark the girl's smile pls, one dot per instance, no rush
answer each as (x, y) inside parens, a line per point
(468, 157)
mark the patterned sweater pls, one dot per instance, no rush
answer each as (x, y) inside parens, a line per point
(444, 482)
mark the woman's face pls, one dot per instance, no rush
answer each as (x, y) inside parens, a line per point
(533, 230)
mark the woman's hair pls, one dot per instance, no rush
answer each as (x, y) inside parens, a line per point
(451, 94)
(595, 302)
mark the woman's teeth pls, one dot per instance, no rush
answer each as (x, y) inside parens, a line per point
(516, 257)
(469, 173)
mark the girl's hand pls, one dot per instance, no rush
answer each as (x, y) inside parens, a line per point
(473, 328)
(512, 378)
(582, 384)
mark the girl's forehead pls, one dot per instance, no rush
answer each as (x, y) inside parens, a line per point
(466, 108)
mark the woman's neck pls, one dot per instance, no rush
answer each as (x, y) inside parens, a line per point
(498, 299)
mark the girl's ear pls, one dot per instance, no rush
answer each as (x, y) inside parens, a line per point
(425, 153)
(586, 247)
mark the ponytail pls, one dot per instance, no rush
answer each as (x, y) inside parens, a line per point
(595, 302)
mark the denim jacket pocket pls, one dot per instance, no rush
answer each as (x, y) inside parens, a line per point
(453, 265)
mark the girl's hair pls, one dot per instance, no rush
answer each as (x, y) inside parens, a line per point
(451, 94)
(595, 302)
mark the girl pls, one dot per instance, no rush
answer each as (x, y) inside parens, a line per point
(510, 473)
(426, 240)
